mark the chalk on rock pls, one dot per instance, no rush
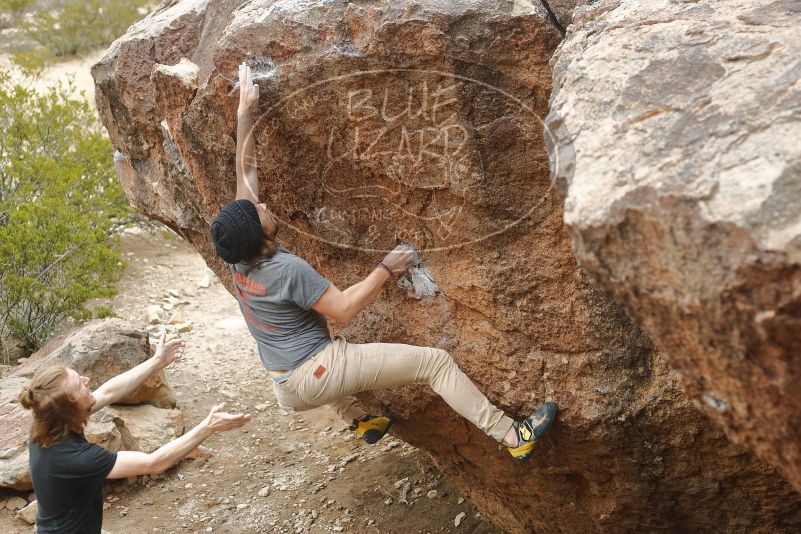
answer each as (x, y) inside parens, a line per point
(418, 281)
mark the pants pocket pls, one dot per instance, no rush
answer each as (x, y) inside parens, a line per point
(316, 386)
(310, 389)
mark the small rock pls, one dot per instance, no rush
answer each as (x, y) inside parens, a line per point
(241, 506)
(404, 492)
(199, 452)
(263, 492)
(460, 500)
(205, 281)
(349, 458)
(389, 446)
(16, 503)
(183, 327)
(153, 314)
(432, 494)
(133, 230)
(176, 318)
(458, 519)
(28, 514)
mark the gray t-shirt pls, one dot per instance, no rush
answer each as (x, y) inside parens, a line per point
(276, 295)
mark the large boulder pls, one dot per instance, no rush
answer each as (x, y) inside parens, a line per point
(101, 350)
(420, 121)
(684, 195)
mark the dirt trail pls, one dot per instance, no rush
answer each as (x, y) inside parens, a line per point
(319, 477)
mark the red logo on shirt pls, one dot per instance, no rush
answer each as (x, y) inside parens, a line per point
(251, 286)
(246, 289)
(320, 371)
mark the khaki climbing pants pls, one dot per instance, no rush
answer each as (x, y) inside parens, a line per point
(342, 369)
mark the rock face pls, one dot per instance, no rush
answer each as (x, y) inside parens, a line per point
(420, 121)
(563, 10)
(684, 196)
(100, 350)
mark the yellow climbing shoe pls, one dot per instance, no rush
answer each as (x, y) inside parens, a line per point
(522, 452)
(530, 430)
(371, 428)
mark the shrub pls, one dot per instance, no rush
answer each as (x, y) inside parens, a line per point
(11, 11)
(32, 61)
(79, 25)
(58, 198)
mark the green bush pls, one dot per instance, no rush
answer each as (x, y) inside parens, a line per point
(11, 11)
(80, 25)
(32, 61)
(58, 199)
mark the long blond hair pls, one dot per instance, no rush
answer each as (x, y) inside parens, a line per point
(55, 411)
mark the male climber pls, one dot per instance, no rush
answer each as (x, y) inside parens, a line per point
(285, 303)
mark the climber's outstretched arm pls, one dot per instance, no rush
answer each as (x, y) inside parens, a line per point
(342, 306)
(247, 180)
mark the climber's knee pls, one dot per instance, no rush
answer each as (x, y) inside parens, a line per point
(442, 358)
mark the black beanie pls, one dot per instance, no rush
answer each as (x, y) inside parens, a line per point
(236, 231)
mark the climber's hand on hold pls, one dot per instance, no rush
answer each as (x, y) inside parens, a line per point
(248, 91)
(247, 179)
(399, 260)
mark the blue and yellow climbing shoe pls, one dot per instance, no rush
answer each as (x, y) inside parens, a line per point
(371, 428)
(530, 430)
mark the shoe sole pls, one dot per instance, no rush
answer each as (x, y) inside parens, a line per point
(373, 436)
(523, 457)
(544, 418)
